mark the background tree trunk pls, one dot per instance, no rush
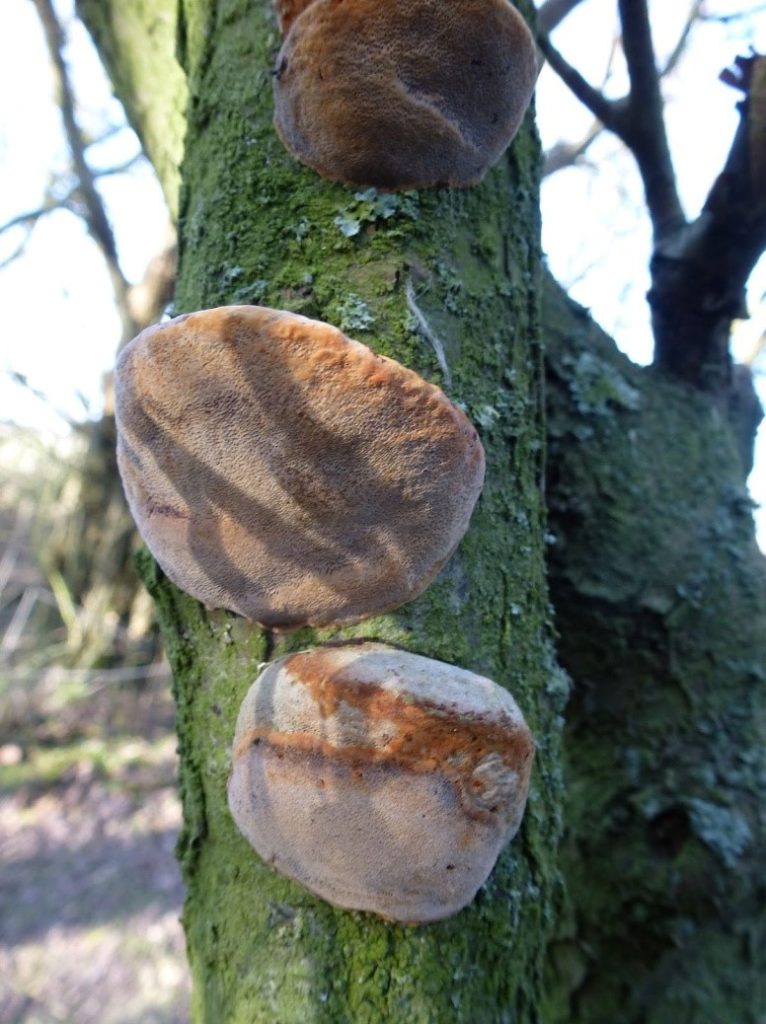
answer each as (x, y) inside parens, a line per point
(660, 598)
(255, 227)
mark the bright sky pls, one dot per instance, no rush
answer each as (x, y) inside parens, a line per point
(59, 326)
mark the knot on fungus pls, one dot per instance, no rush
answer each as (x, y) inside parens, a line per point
(403, 94)
(277, 468)
(380, 780)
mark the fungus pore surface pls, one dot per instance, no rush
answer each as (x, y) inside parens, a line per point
(378, 779)
(279, 469)
(406, 93)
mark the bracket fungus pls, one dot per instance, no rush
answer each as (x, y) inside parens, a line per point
(380, 780)
(402, 94)
(277, 468)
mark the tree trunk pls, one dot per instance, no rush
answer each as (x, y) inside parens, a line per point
(660, 597)
(255, 227)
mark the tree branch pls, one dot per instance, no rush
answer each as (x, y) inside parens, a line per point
(699, 277)
(552, 12)
(30, 218)
(683, 39)
(607, 111)
(566, 154)
(724, 19)
(95, 215)
(644, 128)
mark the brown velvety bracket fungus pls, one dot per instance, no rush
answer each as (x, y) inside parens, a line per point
(380, 780)
(403, 93)
(279, 469)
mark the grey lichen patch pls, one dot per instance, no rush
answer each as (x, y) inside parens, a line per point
(722, 828)
(354, 315)
(371, 207)
(596, 385)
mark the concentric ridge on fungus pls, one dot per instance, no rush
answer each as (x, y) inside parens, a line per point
(380, 780)
(402, 93)
(277, 468)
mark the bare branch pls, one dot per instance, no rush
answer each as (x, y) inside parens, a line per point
(644, 128)
(95, 215)
(724, 19)
(119, 168)
(699, 277)
(566, 154)
(21, 379)
(607, 111)
(16, 254)
(551, 13)
(683, 39)
(30, 218)
(153, 292)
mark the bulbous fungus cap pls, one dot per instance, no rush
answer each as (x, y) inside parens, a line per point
(380, 780)
(403, 93)
(279, 469)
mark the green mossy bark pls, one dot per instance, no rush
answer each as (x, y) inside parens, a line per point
(660, 597)
(257, 227)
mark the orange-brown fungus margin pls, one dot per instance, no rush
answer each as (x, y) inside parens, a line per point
(406, 93)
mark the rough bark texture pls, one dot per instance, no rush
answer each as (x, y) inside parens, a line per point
(660, 597)
(396, 272)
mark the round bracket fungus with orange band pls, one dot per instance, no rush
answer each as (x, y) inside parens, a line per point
(403, 93)
(380, 780)
(277, 468)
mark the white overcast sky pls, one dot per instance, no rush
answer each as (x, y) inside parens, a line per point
(58, 325)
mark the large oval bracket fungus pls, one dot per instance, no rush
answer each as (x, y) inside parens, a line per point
(380, 780)
(279, 469)
(403, 93)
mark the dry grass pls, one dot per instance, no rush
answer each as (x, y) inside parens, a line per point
(89, 887)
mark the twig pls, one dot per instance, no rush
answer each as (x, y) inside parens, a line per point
(699, 278)
(20, 378)
(644, 127)
(683, 39)
(607, 111)
(552, 12)
(724, 19)
(95, 212)
(566, 154)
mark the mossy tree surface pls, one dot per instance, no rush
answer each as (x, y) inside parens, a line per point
(255, 227)
(660, 598)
